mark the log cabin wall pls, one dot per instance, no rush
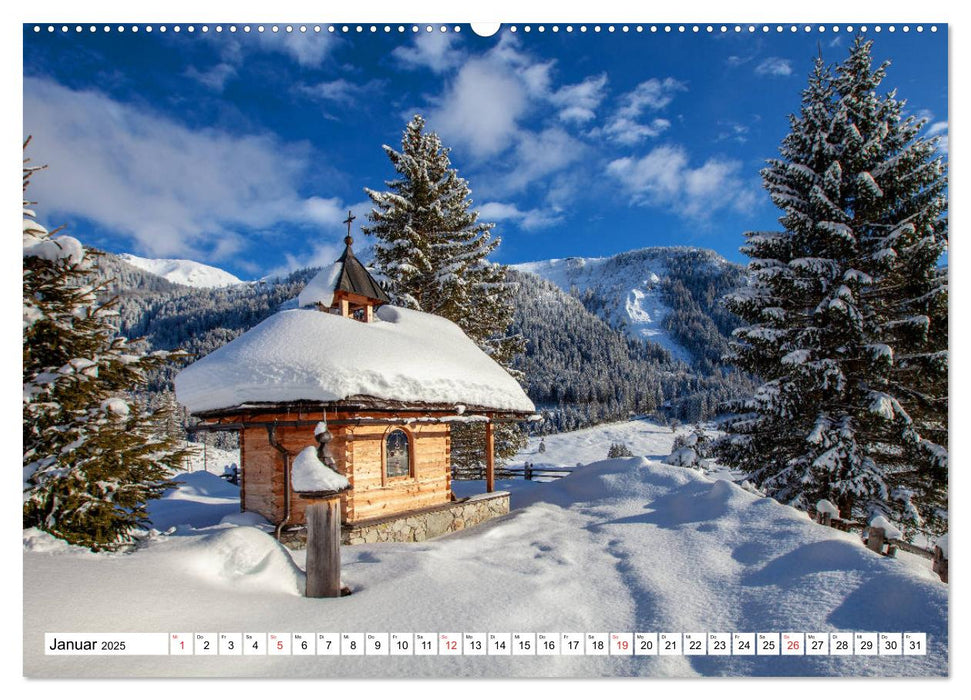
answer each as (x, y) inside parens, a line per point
(374, 495)
(359, 453)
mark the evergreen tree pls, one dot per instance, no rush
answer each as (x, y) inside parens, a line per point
(91, 456)
(847, 311)
(432, 250)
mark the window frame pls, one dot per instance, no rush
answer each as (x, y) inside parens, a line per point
(387, 478)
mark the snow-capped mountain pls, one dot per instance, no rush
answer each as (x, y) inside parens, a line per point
(186, 272)
(633, 291)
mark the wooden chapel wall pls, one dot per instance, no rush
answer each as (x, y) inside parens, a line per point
(362, 448)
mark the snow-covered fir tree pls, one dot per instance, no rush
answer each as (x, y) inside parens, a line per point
(92, 457)
(847, 310)
(432, 251)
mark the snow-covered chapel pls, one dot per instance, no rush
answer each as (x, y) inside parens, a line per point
(388, 383)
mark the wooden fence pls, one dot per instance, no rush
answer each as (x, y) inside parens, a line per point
(875, 539)
(529, 472)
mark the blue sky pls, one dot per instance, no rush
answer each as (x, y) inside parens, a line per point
(246, 150)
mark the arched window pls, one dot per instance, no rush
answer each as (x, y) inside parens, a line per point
(397, 460)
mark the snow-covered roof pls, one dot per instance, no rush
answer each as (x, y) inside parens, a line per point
(320, 289)
(310, 355)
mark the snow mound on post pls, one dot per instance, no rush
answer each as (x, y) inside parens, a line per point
(309, 355)
(309, 474)
(823, 506)
(889, 531)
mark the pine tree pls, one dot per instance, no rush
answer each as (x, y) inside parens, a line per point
(847, 310)
(432, 250)
(91, 457)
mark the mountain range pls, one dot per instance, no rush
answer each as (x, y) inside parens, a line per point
(639, 332)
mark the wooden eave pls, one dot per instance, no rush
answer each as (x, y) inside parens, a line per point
(238, 417)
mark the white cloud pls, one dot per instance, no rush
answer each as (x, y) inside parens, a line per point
(774, 66)
(481, 109)
(528, 220)
(434, 50)
(578, 102)
(482, 106)
(627, 125)
(173, 191)
(339, 91)
(328, 213)
(733, 131)
(664, 178)
(939, 130)
(306, 48)
(214, 78)
(539, 154)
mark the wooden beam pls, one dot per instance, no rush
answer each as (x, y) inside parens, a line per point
(323, 548)
(490, 455)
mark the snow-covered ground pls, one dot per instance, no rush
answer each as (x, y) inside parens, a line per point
(187, 272)
(619, 545)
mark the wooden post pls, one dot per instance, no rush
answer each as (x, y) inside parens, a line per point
(875, 539)
(323, 548)
(939, 564)
(490, 449)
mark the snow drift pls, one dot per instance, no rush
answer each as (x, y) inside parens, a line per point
(620, 545)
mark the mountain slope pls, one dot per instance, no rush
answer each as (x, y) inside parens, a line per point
(185, 272)
(577, 368)
(668, 296)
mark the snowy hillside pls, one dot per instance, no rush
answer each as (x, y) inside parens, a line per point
(620, 545)
(629, 290)
(186, 272)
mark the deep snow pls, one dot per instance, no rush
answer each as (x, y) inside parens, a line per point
(619, 545)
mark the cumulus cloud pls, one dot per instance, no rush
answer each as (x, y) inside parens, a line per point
(539, 154)
(433, 50)
(484, 103)
(628, 125)
(528, 220)
(665, 178)
(481, 109)
(774, 66)
(173, 191)
(578, 103)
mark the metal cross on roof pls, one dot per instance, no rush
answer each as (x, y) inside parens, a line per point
(350, 217)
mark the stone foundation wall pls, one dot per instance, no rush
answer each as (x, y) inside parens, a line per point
(422, 525)
(416, 525)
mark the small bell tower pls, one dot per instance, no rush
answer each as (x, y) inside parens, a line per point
(346, 287)
(356, 293)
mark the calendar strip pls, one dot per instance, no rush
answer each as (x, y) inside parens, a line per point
(383, 644)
